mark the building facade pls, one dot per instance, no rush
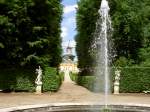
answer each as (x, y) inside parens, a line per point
(68, 63)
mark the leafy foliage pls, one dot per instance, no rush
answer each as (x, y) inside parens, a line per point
(51, 79)
(87, 82)
(127, 24)
(131, 37)
(23, 79)
(30, 32)
(86, 18)
(17, 79)
(134, 80)
(131, 33)
(29, 37)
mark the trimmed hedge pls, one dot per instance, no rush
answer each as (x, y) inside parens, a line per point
(51, 80)
(17, 79)
(61, 76)
(86, 81)
(132, 80)
(74, 77)
(23, 79)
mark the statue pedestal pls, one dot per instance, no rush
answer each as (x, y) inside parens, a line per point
(39, 88)
(116, 88)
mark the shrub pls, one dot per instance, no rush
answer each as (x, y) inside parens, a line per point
(23, 79)
(61, 76)
(86, 81)
(51, 80)
(74, 77)
(24, 84)
(134, 79)
(7, 79)
(17, 79)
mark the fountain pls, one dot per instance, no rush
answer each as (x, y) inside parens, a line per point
(105, 19)
(102, 43)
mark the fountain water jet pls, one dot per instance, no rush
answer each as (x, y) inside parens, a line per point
(102, 43)
(104, 14)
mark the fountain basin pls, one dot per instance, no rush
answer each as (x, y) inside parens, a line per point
(78, 107)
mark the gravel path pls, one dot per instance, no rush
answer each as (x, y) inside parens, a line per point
(70, 92)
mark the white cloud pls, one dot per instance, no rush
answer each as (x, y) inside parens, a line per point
(69, 22)
(69, 8)
(70, 43)
(64, 32)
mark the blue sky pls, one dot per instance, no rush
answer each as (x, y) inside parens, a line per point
(68, 25)
(69, 2)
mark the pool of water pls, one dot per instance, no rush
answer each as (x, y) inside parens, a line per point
(82, 108)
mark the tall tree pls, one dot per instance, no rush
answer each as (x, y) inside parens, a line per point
(144, 52)
(86, 20)
(30, 32)
(127, 24)
(130, 21)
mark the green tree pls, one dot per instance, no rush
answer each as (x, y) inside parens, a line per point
(130, 22)
(86, 20)
(127, 24)
(30, 32)
(144, 52)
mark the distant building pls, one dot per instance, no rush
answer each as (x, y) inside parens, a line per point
(68, 62)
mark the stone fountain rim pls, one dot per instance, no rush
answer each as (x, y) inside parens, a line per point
(55, 106)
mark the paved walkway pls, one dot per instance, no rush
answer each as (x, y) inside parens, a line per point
(70, 92)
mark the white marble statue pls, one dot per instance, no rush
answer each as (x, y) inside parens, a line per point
(117, 75)
(116, 82)
(38, 80)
